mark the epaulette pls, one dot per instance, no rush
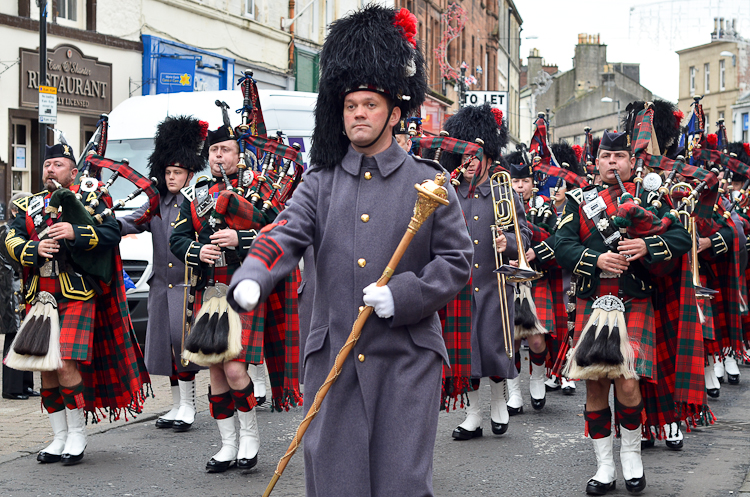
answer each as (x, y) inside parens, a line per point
(431, 163)
(188, 192)
(576, 195)
(23, 203)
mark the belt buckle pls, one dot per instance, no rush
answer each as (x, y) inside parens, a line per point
(49, 269)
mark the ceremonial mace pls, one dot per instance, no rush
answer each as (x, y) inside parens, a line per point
(431, 195)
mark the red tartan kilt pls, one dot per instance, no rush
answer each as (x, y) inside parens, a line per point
(76, 321)
(542, 295)
(639, 316)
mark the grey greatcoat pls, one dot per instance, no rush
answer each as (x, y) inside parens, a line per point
(375, 432)
(488, 356)
(165, 296)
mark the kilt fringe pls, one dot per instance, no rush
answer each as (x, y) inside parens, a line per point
(455, 390)
(525, 316)
(603, 349)
(217, 335)
(37, 343)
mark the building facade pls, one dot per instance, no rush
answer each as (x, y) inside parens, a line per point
(718, 71)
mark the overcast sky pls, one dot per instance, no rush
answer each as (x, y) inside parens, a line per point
(642, 31)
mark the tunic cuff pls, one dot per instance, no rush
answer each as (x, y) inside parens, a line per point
(544, 252)
(86, 237)
(718, 244)
(192, 256)
(245, 239)
(407, 299)
(658, 250)
(586, 265)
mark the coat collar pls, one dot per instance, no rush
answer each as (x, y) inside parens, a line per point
(388, 160)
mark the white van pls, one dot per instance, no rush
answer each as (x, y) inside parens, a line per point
(132, 126)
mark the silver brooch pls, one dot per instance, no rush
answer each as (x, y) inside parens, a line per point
(651, 182)
(212, 221)
(539, 202)
(603, 224)
(38, 220)
(609, 303)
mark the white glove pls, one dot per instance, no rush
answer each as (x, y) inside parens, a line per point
(380, 298)
(246, 294)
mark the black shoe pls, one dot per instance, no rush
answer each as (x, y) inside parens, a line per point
(261, 400)
(538, 404)
(15, 396)
(247, 463)
(46, 457)
(713, 392)
(675, 445)
(515, 410)
(551, 389)
(636, 485)
(594, 487)
(499, 428)
(569, 391)
(647, 444)
(214, 466)
(178, 425)
(462, 434)
(733, 379)
(164, 423)
(69, 460)
(31, 392)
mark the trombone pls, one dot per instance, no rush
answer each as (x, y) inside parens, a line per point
(506, 219)
(505, 214)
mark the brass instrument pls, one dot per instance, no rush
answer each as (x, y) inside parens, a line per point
(506, 219)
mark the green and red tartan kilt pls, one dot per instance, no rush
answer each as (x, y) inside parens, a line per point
(76, 321)
(639, 316)
(455, 319)
(542, 295)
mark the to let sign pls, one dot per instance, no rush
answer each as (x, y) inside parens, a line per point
(497, 99)
(48, 104)
(83, 84)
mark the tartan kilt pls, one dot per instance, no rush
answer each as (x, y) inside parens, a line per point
(639, 317)
(542, 295)
(455, 319)
(76, 321)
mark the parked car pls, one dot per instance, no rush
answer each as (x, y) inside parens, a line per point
(132, 126)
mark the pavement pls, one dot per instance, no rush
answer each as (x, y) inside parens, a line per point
(544, 453)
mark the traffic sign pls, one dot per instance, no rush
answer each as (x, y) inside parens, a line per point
(47, 104)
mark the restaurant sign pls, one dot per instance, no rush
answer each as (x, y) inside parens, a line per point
(84, 85)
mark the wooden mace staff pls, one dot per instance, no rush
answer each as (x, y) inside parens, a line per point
(431, 195)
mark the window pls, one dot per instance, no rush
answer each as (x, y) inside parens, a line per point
(67, 9)
(721, 114)
(722, 81)
(692, 80)
(248, 8)
(745, 127)
(706, 78)
(21, 145)
(707, 122)
(306, 70)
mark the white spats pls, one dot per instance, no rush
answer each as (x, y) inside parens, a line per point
(473, 413)
(498, 407)
(536, 381)
(53, 451)
(75, 443)
(630, 453)
(605, 459)
(515, 400)
(249, 438)
(228, 430)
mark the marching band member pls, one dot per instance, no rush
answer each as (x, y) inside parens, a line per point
(353, 207)
(178, 154)
(489, 352)
(75, 299)
(614, 296)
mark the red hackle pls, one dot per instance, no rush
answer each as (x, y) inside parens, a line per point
(678, 116)
(712, 140)
(407, 23)
(204, 129)
(746, 146)
(498, 116)
(578, 150)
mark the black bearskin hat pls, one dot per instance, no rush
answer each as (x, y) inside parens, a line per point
(666, 122)
(372, 49)
(564, 152)
(472, 122)
(179, 141)
(514, 158)
(742, 151)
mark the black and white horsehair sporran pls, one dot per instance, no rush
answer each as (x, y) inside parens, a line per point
(603, 349)
(37, 344)
(525, 316)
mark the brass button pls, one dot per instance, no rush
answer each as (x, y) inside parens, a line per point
(362, 262)
(361, 357)
(364, 218)
(476, 289)
(171, 224)
(476, 195)
(170, 285)
(176, 205)
(476, 266)
(170, 264)
(476, 242)
(476, 218)
(368, 175)
(361, 308)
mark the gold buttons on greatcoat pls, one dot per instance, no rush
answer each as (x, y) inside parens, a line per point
(476, 266)
(476, 242)
(176, 205)
(361, 357)
(476, 218)
(170, 285)
(362, 262)
(368, 175)
(364, 218)
(476, 289)
(170, 264)
(171, 224)
(476, 195)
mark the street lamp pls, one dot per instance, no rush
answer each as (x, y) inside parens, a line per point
(727, 53)
(609, 100)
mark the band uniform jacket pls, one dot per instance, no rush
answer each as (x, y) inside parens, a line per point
(375, 432)
(488, 356)
(166, 306)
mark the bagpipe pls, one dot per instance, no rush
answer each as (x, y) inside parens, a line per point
(444, 143)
